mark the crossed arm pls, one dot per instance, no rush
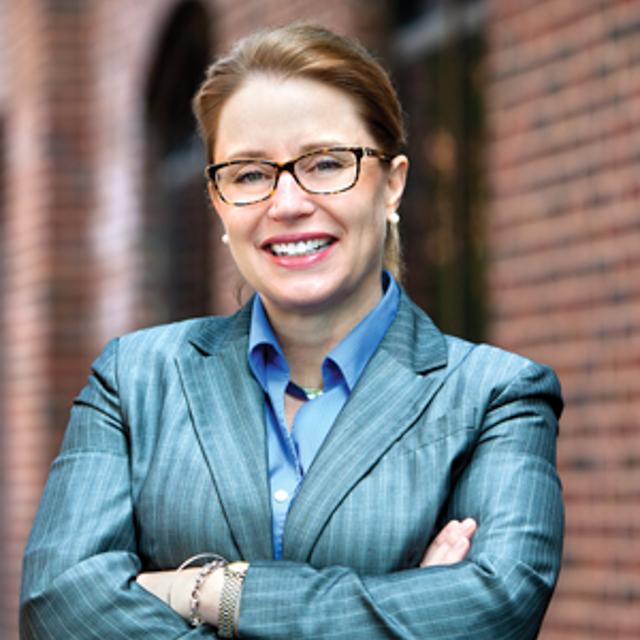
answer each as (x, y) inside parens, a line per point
(451, 545)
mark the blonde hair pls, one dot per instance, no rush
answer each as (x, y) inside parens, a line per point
(315, 53)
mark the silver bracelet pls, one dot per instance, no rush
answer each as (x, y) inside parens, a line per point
(229, 610)
(195, 620)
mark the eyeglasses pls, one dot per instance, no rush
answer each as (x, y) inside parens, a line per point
(323, 171)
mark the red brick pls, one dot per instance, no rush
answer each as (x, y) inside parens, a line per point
(564, 233)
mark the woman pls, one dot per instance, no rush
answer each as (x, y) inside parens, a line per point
(318, 439)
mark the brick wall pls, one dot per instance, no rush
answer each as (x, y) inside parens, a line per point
(25, 301)
(565, 274)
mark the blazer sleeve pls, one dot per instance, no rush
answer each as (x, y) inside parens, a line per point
(81, 561)
(500, 591)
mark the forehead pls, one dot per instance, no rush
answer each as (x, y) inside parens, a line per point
(278, 118)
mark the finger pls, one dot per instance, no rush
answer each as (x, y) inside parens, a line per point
(459, 541)
(457, 552)
(448, 552)
(435, 554)
(452, 543)
(449, 533)
(441, 546)
(469, 527)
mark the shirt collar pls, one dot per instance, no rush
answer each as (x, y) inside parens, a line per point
(264, 349)
(354, 351)
(346, 360)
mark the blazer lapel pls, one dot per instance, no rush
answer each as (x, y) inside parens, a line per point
(227, 407)
(397, 385)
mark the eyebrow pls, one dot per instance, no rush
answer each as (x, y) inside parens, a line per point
(255, 154)
(245, 153)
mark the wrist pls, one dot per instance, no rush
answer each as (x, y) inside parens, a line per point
(180, 591)
(189, 586)
(210, 595)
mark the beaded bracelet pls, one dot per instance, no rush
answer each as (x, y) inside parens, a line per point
(215, 562)
(195, 619)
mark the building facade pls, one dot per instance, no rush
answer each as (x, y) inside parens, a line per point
(521, 224)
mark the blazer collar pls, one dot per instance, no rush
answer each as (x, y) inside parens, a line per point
(227, 407)
(219, 333)
(414, 340)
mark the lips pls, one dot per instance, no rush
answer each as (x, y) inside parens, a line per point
(300, 247)
(299, 250)
(297, 244)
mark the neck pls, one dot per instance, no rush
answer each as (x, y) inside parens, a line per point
(306, 338)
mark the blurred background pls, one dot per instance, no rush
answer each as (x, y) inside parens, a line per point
(521, 225)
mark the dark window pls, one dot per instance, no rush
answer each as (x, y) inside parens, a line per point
(408, 11)
(439, 72)
(177, 274)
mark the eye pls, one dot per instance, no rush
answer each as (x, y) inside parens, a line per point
(326, 163)
(250, 175)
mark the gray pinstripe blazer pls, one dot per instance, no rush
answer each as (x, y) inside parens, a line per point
(165, 457)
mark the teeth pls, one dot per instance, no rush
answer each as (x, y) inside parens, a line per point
(299, 248)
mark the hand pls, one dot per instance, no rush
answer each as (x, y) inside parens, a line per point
(451, 545)
(158, 583)
(175, 591)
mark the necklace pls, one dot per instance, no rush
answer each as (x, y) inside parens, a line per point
(312, 392)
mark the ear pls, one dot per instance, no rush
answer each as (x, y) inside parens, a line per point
(396, 180)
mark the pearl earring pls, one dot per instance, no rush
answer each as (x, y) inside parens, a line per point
(394, 218)
(225, 238)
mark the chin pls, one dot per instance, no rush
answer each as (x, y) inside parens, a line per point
(303, 304)
(296, 299)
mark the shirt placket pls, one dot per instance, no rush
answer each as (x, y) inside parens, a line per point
(286, 476)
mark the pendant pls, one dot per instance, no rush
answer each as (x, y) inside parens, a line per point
(312, 392)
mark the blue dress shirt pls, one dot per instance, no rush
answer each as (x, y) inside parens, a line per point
(290, 454)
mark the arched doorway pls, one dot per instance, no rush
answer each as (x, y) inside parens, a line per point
(177, 271)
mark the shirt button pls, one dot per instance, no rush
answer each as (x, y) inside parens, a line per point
(281, 495)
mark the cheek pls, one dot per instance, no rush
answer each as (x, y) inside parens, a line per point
(239, 244)
(238, 222)
(243, 242)
(370, 236)
(220, 214)
(374, 223)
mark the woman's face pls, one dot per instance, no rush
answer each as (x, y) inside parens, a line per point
(338, 266)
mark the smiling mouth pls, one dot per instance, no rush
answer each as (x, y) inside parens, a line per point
(300, 248)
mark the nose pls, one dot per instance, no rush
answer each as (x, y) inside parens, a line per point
(289, 200)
